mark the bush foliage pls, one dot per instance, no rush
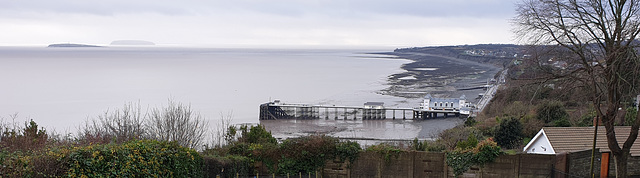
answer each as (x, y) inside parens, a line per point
(509, 133)
(256, 146)
(462, 159)
(140, 158)
(551, 111)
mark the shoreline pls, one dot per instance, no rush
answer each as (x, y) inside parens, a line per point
(453, 89)
(446, 76)
(440, 76)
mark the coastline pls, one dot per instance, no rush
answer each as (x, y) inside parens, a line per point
(447, 77)
(440, 76)
(458, 84)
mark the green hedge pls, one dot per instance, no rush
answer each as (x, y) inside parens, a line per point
(140, 158)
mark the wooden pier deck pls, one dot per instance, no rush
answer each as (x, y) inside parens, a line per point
(277, 110)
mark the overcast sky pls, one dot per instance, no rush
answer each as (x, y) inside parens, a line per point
(400, 23)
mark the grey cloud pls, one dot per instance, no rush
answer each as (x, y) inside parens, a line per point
(341, 8)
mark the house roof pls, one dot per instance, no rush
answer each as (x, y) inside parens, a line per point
(428, 96)
(572, 139)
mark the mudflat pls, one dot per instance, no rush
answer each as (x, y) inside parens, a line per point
(440, 76)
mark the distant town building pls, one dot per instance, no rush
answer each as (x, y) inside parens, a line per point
(374, 105)
(431, 103)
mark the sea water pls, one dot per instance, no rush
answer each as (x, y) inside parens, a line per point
(60, 88)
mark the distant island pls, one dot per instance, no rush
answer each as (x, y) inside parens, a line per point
(71, 45)
(132, 42)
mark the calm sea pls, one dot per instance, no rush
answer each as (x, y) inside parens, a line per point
(60, 88)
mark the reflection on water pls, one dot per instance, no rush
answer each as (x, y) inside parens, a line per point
(363, 129)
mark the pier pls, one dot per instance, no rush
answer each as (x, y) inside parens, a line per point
(429, 108)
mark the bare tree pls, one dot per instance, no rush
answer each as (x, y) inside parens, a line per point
(601, 37)
(222, 135)
(177, 122)
(120, 124)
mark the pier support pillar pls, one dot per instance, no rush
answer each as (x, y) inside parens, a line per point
(345, 113)
(394, 114)
(355, 113)
(326, 113)
(384, 114)
(364, 114)
(295, 113)
(404, 115)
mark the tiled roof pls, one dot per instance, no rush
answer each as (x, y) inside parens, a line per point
(571, 139)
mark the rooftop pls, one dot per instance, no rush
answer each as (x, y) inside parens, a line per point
(374, 103)
(572, 139)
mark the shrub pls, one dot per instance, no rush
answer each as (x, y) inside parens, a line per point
(385, 150)
(417, 145)
(48, 162)
(24, 152)
(470, 122)
(14, 164)
(306, 154)
(142, 158)
(630, 116)
(551, 110)
(509, 133)
(227, 166)
(564, 122)
(177, 122)
(434, 146)
(119, 125)
(587, 119)
(462, 159)
(348, 150)
(516, 109)
(530, 125)
(256, 134)
(450, 137)
(29, 138)
(472, 141)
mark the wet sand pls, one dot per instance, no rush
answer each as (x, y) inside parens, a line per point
(439, 76)
(452, 77)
